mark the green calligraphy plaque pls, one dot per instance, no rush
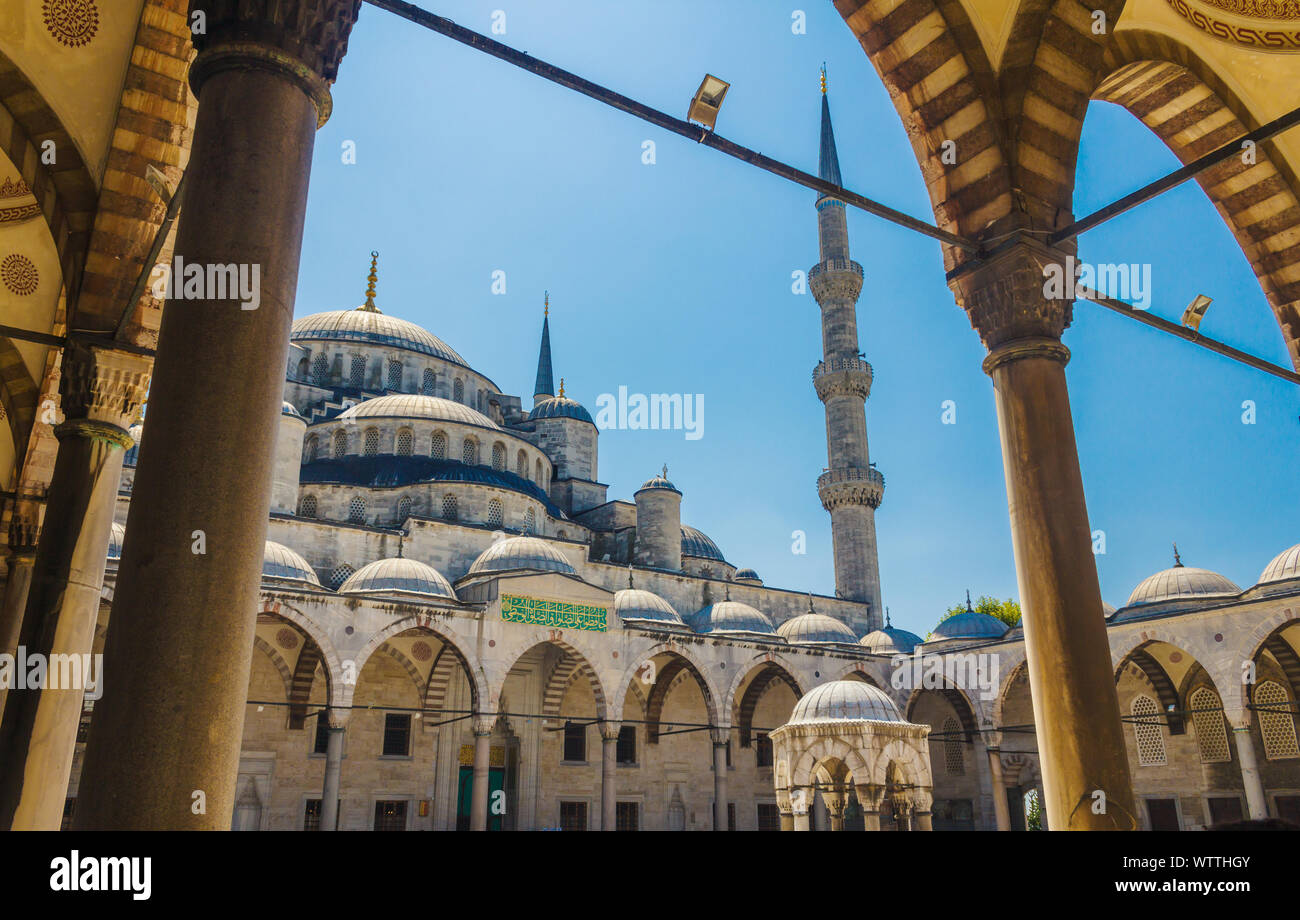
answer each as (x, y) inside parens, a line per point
(537, 612)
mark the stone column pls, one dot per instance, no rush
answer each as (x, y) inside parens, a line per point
(164, 743)
(1076, 711)
(920, 804)
(922, 821)
(869, 797)
(835, 802)
(1001, 812)
(787, 820)
(478, 801)
(608, 770)
(720, 737)
(329, 803)
(1256, 804)
(102, 390)
(24, 533)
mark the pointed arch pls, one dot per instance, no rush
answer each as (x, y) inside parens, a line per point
(420, 623)
(764, 675)
(277, 660)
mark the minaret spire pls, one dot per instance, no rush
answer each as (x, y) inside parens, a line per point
(545, 386)
(851, 489)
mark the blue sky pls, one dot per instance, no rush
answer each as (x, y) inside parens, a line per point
(676, 277)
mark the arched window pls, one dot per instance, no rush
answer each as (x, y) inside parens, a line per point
(521, 465)
(496, 513)
(307, 507)
(1146, 730)
(458, 390)
(358, 379)
(372, 441)
(438, 449)
(394, 375)
(340, 574)
(540, 474)
(340, 443)
(403, 508)
(1207, 719)
(320, 368)
(953, 760)
(499, 457)
(309, 449)
(1276, 724)
(357, 510)
(405, 442)
(428, 382)
(450, 508)
(530, 521)
(469, 452)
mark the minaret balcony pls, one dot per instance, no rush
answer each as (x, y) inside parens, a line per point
(835, 280)
(843, 377)
(851, 486)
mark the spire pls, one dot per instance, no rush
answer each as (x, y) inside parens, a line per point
(828, 162)
(1178, 563)
(369, 305)
(545, 386)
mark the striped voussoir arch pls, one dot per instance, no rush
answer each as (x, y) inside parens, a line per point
(754, 692)
(668, 677)
(18, 395)
(280, 665)
(1287, 659)
(565, 672)
(1179, 98)
(407, 664)
(304, 674)
(446, 664)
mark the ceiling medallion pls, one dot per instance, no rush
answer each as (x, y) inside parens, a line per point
(19, 274)
(71, 22)
(1265, 25)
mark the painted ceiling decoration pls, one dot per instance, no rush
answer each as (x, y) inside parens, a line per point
(71, 22)
(1266, 25)
(17, 201)
(19, 274)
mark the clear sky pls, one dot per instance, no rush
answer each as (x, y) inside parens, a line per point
(676, 277)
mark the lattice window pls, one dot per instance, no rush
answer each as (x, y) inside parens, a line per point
(499, 457)
(320, 368)
(429, 381)
(521, 465)
(458, 390)
(530, 521)
(372, 442)
(340, 444)
(340, 574)
(496, 513)
(404, 508)
(357, 510)
(358, 379)
(1207, 719)
(953, 757)
(450, 508)
(1146, 729)
(307, 507)
(1276, 723)
(405, 442)
(469, 452)
(394, 375)
(438, 449)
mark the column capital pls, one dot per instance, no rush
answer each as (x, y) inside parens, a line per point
(24, 527)
(609, 731)
(1009, 297)
(720, 734)
(483, 725)
(102, 386)
(337, 718)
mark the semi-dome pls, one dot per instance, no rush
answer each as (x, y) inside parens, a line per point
(398, 576)
(521, 553)
(845, 701)
(890, 641)
(637, 605)
(730, 618)
(1284, 567)
(561, 407)
(697, 543)
(747, 577)
(374, 328)
(280, 562)
(1182, 583)
(816, 629)
(115, 539)
(412, 406)
(970, 624)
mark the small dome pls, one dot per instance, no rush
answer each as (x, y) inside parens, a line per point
(748, 577)
(280, 562)
(970, 624)
(560, 407)
(1107, 611)
(410, 406)
(636, 605)
(660, 481)
(816, 629)
(1182, 583)
(402, 576)
(371, 327)
(521, 553)
(1284, 567)
(845, 701)
(696, 543)
(890, 641)
(286, 408)
(115, 540)
(730, 617)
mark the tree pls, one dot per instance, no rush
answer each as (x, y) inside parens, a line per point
(1008, 611)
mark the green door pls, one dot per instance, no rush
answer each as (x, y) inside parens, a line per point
(496, 786)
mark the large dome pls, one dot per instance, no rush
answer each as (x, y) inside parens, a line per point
(1284, 567)
(697, 543)
(400, 405)
(1182, 583)
(280, 562)
(403, 576)
(731, 617)
(374, 328)
(890, 641)
(636, 605)
(521, 553)
(970, 624)
(816, 629)
(844, 701)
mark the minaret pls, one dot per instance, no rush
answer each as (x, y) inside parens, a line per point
(851, 488)
(545, 386)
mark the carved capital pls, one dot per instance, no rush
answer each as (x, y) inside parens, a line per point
(24, 527)
(103, 386)
(1010, 296)
(609, 732)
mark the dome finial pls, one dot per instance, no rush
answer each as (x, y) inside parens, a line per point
(546, 304)
(400, 538)
(1178, 563)
(968, 606)
(810, 603)
(823, 78)
(372, 278)
(629, 575)
(886, 618)
(665, 471)
(561, 388)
